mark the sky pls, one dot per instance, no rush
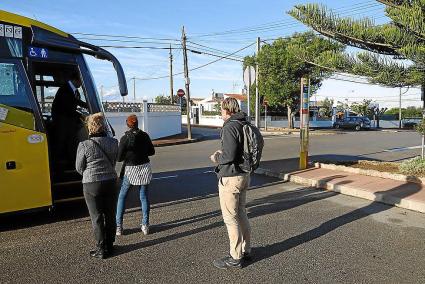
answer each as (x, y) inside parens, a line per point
(215, 27)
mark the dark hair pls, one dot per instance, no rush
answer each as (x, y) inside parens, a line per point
(132, 121)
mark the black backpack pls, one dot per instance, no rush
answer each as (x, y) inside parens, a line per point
(253, 144)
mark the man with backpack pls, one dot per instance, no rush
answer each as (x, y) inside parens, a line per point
(241, 146)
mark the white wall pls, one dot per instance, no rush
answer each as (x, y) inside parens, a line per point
(211, 120)
(158, 123)
(217, 121)
(163, 124)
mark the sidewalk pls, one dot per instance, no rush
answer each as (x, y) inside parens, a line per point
(408, 195)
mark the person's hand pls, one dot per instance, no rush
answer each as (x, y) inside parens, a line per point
(214, 157)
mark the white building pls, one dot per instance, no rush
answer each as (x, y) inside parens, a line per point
(209, 103)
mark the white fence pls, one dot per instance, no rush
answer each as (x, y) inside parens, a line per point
(283, 123)
(157, 120)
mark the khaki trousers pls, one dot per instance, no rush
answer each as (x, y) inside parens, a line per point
(232, 193)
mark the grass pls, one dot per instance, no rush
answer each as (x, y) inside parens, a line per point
(413, 167)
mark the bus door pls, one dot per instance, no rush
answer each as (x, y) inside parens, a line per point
(65, 126)
(24, 162)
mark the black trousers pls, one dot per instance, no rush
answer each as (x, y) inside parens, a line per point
(101, 199)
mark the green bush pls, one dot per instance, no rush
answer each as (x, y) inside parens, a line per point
(413, 167)
(420, 128)
(206, 112)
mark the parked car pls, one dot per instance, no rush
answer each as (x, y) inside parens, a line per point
(410, 123)
(353, 122)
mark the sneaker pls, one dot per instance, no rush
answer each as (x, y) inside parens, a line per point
(119, 231)
(145, 229)
(226, 262)
(98, 253)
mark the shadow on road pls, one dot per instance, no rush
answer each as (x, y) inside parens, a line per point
(260, 207)
(184, 186)
(268, 251)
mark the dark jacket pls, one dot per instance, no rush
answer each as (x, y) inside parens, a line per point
(135, 148)
(231, 147)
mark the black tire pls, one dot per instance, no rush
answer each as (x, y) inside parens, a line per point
(358, 127)
(336, 126)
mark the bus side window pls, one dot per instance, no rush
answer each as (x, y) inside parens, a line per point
(14, 96)
(45, 95)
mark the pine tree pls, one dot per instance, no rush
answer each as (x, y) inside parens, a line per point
(394, 52)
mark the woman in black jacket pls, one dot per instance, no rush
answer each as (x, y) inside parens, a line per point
(134, 149)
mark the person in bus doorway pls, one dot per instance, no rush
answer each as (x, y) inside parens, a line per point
(68, 124)
(68, 97)
(134, 149)
(233, 183)
(96, 159)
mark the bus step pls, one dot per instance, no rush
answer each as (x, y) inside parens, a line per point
(67, 190)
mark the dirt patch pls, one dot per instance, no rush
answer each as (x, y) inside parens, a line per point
(378, 166)
(388, 167)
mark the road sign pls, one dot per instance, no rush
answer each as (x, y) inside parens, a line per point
(180, 93)
(249, 76)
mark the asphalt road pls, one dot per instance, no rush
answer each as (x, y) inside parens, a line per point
(299, 234)
(281, 152)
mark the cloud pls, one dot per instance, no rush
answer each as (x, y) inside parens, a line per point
(111, 94)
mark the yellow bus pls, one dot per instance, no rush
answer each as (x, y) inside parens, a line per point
(40, 127)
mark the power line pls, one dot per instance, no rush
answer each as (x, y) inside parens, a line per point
(271, 37)
(207, 53)
(268, 26)
(125, 36)
(199, 67)
(128, 41)
(137, 47)
(271, 24)
(285, 23)
(201, 46)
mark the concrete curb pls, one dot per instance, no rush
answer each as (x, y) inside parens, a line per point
(203, 126)
(180, 142)
(373, 173)
(269, 173)
(297, 132)
(343, 189)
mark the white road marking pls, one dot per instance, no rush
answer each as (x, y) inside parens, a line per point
(176, 176)
(280, 137)
(166, 177)
(400, 149)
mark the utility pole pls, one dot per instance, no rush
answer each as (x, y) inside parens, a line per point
(399, 110)
(134, 89)
(171, 77)
(257, 93)
(249, 94)
(423, 117)
(186, 76)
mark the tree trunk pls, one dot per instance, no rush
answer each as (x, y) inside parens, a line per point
(290, 121)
